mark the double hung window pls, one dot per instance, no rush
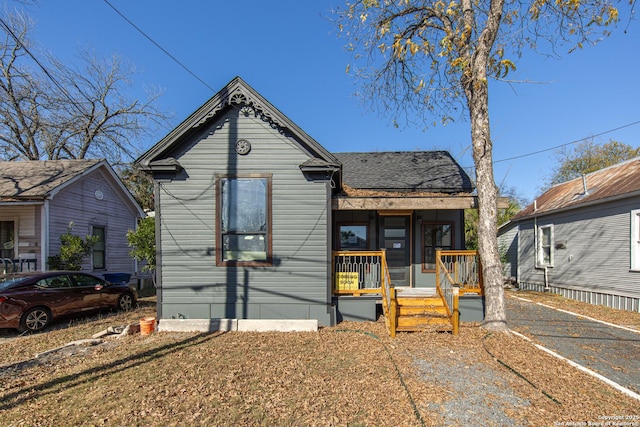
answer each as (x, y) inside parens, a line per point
(545, 246)
(99, 252)
(243, 220)
(635, 240)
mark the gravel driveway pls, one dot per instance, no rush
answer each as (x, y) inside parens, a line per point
(607, 350)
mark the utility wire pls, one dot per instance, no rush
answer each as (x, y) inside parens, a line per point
(42, 67)
(159, 47)
(567, 143)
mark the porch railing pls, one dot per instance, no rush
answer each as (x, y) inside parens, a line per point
(9, 265)
(358, 272)
(463, 268)
(366, 272)
(448, 290)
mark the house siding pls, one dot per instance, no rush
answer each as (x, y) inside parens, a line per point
(595, 265)
(79, 204)
(296, 285)
(508, 246)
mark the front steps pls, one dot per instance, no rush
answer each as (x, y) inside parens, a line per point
(415, 310)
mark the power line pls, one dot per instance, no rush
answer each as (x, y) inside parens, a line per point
(159, 47)
(42, 67)
(567, 143)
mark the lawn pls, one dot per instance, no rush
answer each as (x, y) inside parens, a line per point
(352, 374)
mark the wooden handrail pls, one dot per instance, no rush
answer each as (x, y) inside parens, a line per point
(450, 288)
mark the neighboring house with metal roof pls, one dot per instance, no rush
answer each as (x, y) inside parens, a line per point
(250, 211)
(581, 239)
(38, 201)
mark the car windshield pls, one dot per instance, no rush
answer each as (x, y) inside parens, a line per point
(8, 280)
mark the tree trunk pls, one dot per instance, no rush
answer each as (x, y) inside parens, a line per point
(495, 313)
(476, 88)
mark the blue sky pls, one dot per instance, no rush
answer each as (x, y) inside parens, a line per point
(288, 50)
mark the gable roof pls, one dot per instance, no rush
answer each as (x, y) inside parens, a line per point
(615, 182)
(236, 93)
(414, 171)
(37, 180)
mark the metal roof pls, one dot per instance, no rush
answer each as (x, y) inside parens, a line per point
(621, 180)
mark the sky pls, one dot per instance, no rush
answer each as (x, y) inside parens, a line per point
(290, 52)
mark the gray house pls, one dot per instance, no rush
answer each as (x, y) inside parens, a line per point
(38, 201)
(581, 239)
(251, 212)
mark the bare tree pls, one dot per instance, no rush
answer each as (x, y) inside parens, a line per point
(426, 59)
(51, 110)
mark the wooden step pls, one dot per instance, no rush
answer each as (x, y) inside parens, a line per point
(419, 301)
(412, 323)
(421, 310)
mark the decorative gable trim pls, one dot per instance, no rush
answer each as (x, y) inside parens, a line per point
(236, 94)
(248, 105)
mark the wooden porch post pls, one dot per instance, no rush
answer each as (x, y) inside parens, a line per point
(393, 321)
(456, 311)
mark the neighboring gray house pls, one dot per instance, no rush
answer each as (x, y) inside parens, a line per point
(250, 209)
(581, 239)
(38, 200)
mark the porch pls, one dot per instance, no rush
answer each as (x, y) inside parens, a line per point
(25, 262)
(365, 275)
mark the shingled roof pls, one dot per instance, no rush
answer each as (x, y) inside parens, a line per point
(415, 171)
(621, 180)
(36, 179)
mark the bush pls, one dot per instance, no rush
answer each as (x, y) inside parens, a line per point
(73, 250)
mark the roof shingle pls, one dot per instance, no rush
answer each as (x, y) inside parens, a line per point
(415, 171)
(36, 179)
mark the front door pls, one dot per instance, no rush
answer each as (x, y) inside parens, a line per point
(395, 234)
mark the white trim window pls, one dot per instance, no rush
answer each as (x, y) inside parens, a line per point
(635, 240)
(545, 246)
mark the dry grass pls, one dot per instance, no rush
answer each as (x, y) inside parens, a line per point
(352, 375)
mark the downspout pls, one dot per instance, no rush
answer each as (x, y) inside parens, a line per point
(330, 233)
(546, 279)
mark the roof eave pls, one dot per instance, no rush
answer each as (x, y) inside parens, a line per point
(538, 213)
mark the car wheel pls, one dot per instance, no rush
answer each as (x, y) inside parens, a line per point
(35, 319)
(125, 302)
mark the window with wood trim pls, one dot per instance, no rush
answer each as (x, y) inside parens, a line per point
(353, 237)
(243, 225)
(545, 246)
(435, 235)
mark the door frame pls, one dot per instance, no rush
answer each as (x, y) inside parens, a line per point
(407, 214)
